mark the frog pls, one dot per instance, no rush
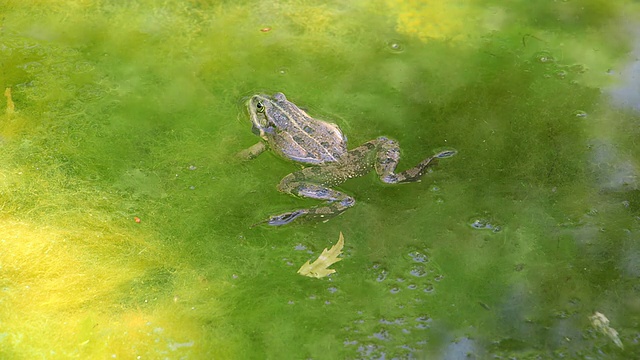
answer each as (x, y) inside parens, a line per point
(321, 148)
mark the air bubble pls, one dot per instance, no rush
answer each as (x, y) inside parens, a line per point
(282, 71)
(398, 321)
(561, 74)
(395, 46)
(419, 257)
(288, 262)
(578, 68)
(394, 290)
(580, 114)
(484, 224)
(383, 334)
(382, 272)
(423, 322)
(544, 57)
(382, 276)
(83, 67)
(418, 271)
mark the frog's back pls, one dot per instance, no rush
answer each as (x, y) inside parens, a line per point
(311, 141)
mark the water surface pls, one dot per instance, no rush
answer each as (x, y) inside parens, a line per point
(127, 112)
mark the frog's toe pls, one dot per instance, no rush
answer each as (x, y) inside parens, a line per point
(446, 154)
(286, 218)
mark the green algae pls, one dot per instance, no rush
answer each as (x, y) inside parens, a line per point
(134, 110)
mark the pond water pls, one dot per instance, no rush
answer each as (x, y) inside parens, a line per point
(127, 217)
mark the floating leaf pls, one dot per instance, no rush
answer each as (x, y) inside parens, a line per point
(600, 322)
(319, 268)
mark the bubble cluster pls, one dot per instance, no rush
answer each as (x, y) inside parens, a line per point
(556, 69)
(408, 284)
(381, 272)
(388, 337)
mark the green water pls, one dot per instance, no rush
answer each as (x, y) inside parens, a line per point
(135, 110)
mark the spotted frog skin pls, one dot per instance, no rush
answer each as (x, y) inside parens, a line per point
(291, 133)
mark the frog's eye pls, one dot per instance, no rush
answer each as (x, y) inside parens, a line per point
(260, 107)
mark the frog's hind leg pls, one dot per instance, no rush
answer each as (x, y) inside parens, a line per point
(388, 155)
(299, 184)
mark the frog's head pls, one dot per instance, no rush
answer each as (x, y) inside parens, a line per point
(267, 113)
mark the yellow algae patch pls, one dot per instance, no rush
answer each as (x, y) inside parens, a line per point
(11, 123)
(11, 107)
(94, 294)
(317, 19)
(48, 278)
(434, 19)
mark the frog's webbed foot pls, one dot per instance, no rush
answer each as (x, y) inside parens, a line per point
(284, 219)
(319, 213)
(388, 157)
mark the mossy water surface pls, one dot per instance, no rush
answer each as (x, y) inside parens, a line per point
(135, 111)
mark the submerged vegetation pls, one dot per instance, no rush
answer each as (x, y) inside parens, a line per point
(125, 217)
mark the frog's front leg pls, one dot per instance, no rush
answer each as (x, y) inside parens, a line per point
(388, 155)
(252, 152)
(314, 182)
